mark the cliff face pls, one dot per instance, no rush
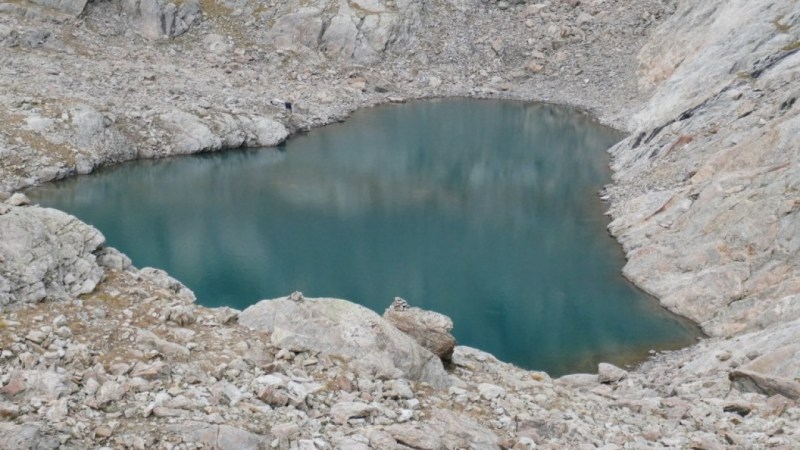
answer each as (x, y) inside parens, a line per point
(705, 202)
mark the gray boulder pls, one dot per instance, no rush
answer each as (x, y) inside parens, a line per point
(339, 327)
(46, 253)
(430, 329)
(158, 19)
(772, 373)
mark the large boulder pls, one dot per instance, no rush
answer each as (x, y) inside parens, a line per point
(339, 327)
(46, 253)
(430, 329)
(772, 373)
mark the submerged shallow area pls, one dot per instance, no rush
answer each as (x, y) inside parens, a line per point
(482, 210)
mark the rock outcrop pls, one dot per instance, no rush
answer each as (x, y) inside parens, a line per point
(45, 254)
(338, 327)
(161, 19)
(358, 31)
(428, 328)
(704, 199)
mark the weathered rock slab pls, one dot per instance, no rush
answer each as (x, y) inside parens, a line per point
(430, 329)
(339, 327)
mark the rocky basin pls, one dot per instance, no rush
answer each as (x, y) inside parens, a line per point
(705, 200)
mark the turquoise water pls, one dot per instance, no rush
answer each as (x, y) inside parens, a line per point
(483, 210)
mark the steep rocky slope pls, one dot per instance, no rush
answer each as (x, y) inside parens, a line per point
(705, 202)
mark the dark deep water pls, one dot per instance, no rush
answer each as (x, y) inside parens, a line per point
(483, 210)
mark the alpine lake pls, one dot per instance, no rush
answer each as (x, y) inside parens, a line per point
(484, 210)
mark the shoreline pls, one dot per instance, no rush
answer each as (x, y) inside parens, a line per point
(635, 357)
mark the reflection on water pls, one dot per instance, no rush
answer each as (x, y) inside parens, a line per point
(483, 210)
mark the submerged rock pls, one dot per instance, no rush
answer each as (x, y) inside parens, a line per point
(339, 327)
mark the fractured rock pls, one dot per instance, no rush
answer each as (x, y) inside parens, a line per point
(609, 373)
(430, 329)
(46, 253)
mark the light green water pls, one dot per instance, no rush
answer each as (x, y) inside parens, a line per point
(482, 210)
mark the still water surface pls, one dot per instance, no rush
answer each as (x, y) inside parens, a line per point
(483, 210)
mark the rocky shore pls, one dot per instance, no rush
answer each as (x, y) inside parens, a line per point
(99, 354)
